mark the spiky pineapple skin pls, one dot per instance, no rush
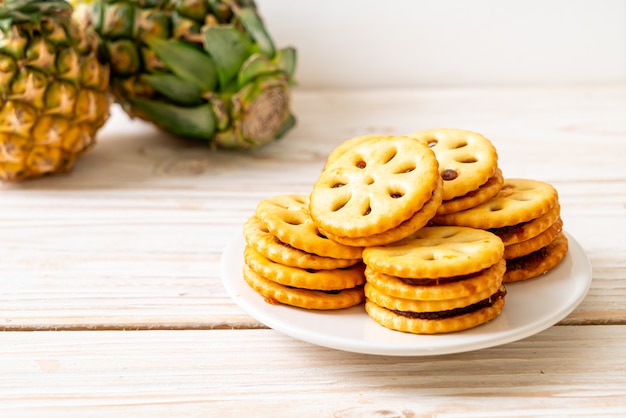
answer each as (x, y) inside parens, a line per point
(53, 95)
(243, 115)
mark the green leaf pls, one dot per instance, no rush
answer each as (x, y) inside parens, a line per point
(50, 8)
(5, 24)
(254, 26)
(174, 88)
(229, 50)
(286, 61)
(32, 7)
(9, 5)
(185, 61)
(254, 66)
(194, 122)
(257, 65)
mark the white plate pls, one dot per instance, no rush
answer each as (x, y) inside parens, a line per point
(531, 306)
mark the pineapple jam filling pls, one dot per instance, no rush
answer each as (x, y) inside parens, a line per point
(521, 262)
(485, 303)
(439, 280)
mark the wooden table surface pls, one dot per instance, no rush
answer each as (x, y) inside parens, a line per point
(112, 303)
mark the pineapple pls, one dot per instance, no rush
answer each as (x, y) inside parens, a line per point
(203, 69)
(53, 89)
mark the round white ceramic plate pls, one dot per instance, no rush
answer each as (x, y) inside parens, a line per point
(531, 306)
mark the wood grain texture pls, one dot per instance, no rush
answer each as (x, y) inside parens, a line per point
(563, 371)
(132, 238)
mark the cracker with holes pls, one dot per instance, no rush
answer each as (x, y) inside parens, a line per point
(335, 279)
(522, 248)
(287, 260)
(436, 251)
(475, 197)
(395, 303)
(467, 160)
(526, 230)
(420, 219)
(374, 187)
(276, 293)
(346, 146)
(440, 322)
(534, 247)
(439, 280)
(287, 218)
(519, 200)
(441, 288)
(260, 239)
(538, 262)
(525, 214)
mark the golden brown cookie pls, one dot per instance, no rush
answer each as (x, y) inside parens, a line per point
(258, 237)
(466, 159)
(287, 217)
(399, 304)
(475, 197)
(406, 228)
(374, 187)
(523, 248)
(344, 278)
(275, 293)
(437, 251)
(346, 146)
(519, 200)
(438, 322)
(526, 230)
(538, 262)
(438, 289)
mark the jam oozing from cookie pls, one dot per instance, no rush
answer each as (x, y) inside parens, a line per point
(328, 292)
(508, 232)
(439, 280)
(485, 303)
(449, 174)
(527, 260)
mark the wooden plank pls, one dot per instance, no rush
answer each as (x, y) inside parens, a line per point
(562, 371)
(132, 238)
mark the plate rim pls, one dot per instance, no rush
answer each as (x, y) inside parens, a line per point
(576, 253)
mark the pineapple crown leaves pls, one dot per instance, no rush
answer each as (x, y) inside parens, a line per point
(211, 88)
(233, 59)
(193, 122)
(187, 62)
(19, 11)
(251, 21)
(228, 52)
(258, 65)
(230, 48)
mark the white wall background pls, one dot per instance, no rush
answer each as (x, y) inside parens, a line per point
(390, 43)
